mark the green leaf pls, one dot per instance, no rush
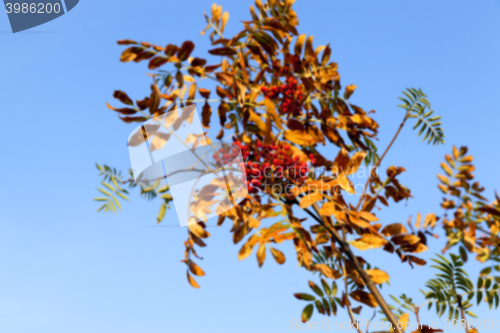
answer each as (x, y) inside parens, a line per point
(326, 287)
(304, 297)
(307, 313)
(316, 289)
(479, 296)
(334, 288)
(485, 272)
(319, 307)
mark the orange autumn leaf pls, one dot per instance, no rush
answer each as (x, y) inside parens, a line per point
(192, 281)
(310, 199)
(278, 256)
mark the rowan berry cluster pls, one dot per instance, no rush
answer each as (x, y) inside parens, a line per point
(290, 93)
(225, 155)
(271, 164)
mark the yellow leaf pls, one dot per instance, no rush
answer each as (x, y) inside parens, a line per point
(247, 248)
(345, 184)
(446, 169)
(393, 229)
(192, 91)
(368, 241)
(368, 216)
(225, 17)
(377, 275)
(278, 256)
(310, 199)
(261, 254)
(349, 90)
(192, 281)
(327, 209)
(444, 179)
(271, 111)
(253, 222)
(257, 120)
(420, 248)
(298, 137)
(430, 220)
(404, 319)
(355, 162)
(419, 218)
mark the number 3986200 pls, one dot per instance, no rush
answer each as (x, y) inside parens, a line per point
(33, 8)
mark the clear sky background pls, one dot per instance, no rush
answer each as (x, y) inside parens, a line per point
(65, 268)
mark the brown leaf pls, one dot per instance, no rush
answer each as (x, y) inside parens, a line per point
(126, 42)
(393, 229)
(408, 239)
(364, 297)
(130, 54)
(122, 97)
(222, 51)
(198, 62)
(341, 161)
(171, 50)
(357, 310)
(206, 115)
(327, 271)
(125, 111)
(222, 110)
(278, 256)
(157, 62)
(185, 50)
(294, 124)
(155, 99)
(204, 92)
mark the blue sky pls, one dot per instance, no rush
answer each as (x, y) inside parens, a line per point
(65, 268)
